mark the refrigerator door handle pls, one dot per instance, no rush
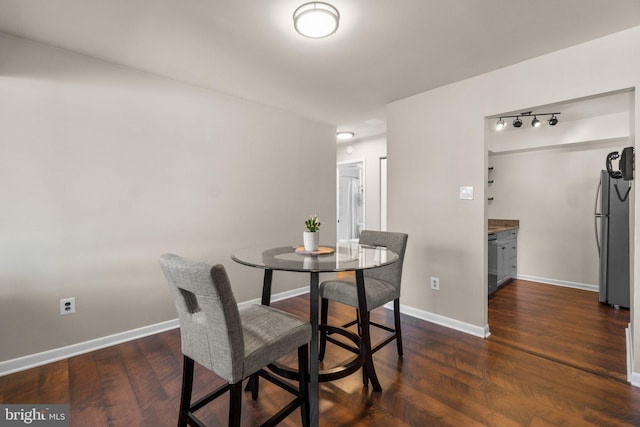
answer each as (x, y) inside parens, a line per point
(597, 215)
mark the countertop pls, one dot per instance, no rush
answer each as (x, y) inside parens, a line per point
(498, 225)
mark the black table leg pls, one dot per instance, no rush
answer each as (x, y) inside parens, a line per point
(370, 371)
(314, 388)
(266, 287)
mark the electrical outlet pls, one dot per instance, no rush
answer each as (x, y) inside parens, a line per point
(68, 305)
(435, 283)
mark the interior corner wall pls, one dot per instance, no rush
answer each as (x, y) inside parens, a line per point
(104, 168)
(370, 150)
(435, 144)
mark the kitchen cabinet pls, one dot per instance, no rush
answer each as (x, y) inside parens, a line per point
(503, 258)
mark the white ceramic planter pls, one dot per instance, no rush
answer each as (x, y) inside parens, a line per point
(311, 240)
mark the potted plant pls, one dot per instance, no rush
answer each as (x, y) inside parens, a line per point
(311, 237)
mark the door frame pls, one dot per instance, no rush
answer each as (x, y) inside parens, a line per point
(364, 191)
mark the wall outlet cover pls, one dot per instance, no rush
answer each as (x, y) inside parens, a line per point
(466, 193)
(68, 305)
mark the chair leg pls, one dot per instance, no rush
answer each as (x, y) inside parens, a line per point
(187, 387)
(396, 316)
(303, 378)
(253, 385)
(324, 316)
(235, 404)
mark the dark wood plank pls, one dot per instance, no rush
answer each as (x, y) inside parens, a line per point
(46, 384)
(118, 396)
(556, 357)
(562, 324)
(150, 394)
(88, 405)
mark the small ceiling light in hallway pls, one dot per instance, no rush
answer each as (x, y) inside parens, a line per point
(344, 135)
(316, 20)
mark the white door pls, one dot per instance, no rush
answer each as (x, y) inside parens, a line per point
(350, 201)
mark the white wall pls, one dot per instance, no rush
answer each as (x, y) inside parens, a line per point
(370, 150)
(436, 144)
(105, 168)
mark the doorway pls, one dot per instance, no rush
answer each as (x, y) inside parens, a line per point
(547, 178)
(351, 200)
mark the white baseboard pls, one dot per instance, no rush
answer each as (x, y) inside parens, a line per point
(31, 361)
(279, 296)
(468, 328)
(632, 377)
(565, 283)
(635, 379)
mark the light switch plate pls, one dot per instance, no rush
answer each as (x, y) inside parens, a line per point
(466, 193)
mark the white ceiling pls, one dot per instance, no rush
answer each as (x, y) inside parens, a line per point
(383, 51)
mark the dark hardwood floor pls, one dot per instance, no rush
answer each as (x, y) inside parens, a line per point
(555, 358)
(562, 324)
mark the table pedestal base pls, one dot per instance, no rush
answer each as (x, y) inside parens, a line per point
(331, 374)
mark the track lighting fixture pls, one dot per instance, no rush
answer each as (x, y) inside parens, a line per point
(517, 122)
(535, 122)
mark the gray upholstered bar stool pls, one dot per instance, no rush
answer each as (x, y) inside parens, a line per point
(382, 285)
(233, 343)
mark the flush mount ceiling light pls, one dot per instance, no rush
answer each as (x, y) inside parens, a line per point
(535, 122)
(316, 20)
(343, 135)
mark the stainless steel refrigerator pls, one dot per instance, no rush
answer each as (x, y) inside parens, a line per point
(612, 237)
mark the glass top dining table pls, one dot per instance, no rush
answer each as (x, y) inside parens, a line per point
(344, 256)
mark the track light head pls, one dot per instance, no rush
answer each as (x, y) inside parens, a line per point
(553, 120)
(535, 122)
(517, 122)
(501, 124)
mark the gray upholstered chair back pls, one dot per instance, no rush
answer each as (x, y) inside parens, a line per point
(210, 326)
(396, 242)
